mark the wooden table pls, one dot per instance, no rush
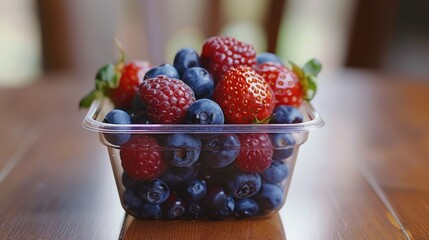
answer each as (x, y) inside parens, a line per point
(365, 175)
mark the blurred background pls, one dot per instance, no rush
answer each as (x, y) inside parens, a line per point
(45, 36)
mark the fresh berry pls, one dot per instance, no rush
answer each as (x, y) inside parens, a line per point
(139, 117)
(245, 207)
(276, 173)
(286, 115)
(219, 150)
(255, 154)
(186, 58)
(219, 204)
(200, 80)
(150, 211)
(166, 100)
(244, 96)
(196, 211)
(204, 111)
(117, 116)
(242, 185)
(283, 145)
(164, 69)
(132, 201)
(285, 83)
(219, 54)
(155, 191)
(182, 150)
(269, 198)
(127, 181)
(195, 190)
(141, 158)
(174, 207)
(177, 176)
(131, 76)
(268, 57)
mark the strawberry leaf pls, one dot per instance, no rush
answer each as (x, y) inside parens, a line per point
(107, 77)
(88, 99)
(311, 87)
(312, 67)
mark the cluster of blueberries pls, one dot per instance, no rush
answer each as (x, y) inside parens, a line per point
(207, 189)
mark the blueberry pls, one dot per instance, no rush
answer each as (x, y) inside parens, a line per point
(245, 207)
(268, 57)
(155, 191)
(117, 116)
(186, 58)
(195, 190)
(150, 211)
(220, 150)
(127, 181)
(174, 207)
(269, 198)
(195, 210)
(176, 176)
(242, 185)
(204, 111)
(164, 69)
(276, 173)
(212, 176)
(183, 150)
(219, 204)
(200, 80)
(139, 117)
(286, 114)
(132, 201)
(283, 146)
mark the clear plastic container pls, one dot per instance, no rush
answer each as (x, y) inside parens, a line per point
(234, 171)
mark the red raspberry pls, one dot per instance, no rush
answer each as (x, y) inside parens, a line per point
(166, 99)
(219, 54)
(141, 158)
(131, 76)
(256, 153)
(244, 96)
(285, 83)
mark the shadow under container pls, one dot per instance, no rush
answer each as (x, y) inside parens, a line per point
(187, 171)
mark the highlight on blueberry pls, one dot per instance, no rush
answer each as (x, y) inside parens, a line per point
(204, 111)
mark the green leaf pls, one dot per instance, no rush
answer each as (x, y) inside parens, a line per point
(106, 77)
(311, 87)
(312, 67)
(88, 99)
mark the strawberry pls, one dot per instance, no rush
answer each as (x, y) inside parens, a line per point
(219, 54)
(291, 84)
(284, 82)
(244, 96)
(131, 76)
(117, 81)
(256, 153)
(141, 158)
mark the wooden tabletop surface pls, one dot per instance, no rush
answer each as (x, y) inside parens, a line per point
(365, 175)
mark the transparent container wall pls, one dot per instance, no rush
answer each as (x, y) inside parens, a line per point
(262, 192)
(202, 172)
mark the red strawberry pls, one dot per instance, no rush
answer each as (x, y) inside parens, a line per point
(131, 76)
(285, 83)
(141, 158)
(219, 54)
(244, 96)
(256, 153)
(166, 100)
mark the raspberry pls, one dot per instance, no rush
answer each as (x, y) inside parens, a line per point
(165, 99)
(219, 54)
(141, 158)
(255, 154)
